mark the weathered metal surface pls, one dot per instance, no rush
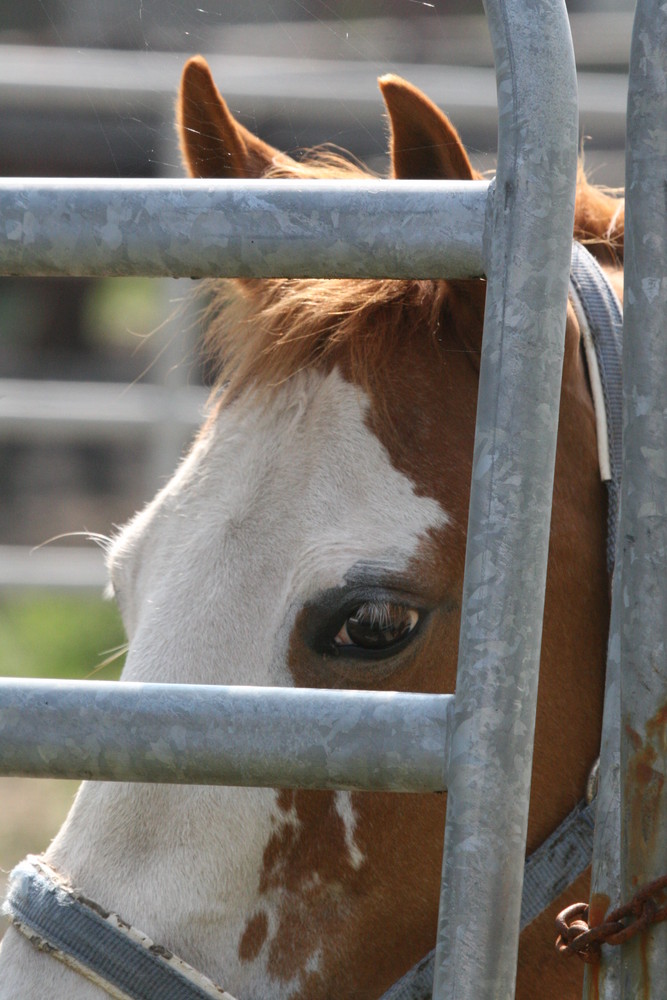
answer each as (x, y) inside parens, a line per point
(602, 980)
(529, 239)
(269, 229)
(643, 531)
(198, 734)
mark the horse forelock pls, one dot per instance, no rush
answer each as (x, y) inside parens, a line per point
(599, 221)
(261, 332)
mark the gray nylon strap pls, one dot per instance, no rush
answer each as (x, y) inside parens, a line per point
(549, 870)
(58, 918)
(557, 862)
(417, 984)
(69, 924)
(605, 320)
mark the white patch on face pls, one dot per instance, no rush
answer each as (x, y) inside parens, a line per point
(313, 963)
(345, 809)
(274, 505)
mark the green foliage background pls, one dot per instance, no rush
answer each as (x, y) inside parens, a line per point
(48, 635)
(55, 635)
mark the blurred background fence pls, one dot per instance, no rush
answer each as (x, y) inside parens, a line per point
(101, 387)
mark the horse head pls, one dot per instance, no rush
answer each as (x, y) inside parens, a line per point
(314, 536)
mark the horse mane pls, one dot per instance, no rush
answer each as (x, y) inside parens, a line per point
(260, 332)
(599, 219)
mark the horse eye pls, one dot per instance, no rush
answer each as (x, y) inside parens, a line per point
(376, 626)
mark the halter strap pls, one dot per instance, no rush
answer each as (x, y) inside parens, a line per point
(600, 319)
(556, 863)
(97, 944)
(127, 965)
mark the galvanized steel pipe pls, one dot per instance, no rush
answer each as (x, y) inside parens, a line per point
(199, 734)
(529, 243)
(262, 229)
(603, 981)
(643, 528)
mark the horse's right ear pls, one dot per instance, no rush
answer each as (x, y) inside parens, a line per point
(213, 143)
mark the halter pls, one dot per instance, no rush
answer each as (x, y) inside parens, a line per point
(600, 319)
(99, 945)
(125, 963)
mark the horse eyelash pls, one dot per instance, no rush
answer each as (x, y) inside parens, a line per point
(377, 613)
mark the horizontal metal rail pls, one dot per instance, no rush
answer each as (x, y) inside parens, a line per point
(93, 410)
(100, 412)
(53, 567)
(201, 734)
(198, 229)
(124, 83)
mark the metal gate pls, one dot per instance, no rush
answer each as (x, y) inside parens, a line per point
(435, 741)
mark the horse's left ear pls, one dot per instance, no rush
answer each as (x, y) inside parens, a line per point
(213, 143)
(424, 144)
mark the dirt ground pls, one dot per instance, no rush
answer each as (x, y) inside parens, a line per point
(31, 811)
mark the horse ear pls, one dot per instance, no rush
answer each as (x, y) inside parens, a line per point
(424, 145)
(213, 143)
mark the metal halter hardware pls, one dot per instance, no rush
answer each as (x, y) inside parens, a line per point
(577, 937)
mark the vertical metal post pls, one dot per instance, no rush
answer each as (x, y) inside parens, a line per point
(643, 530)
(529, 237)
(602, 982)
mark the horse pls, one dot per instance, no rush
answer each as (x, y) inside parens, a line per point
(314, 536)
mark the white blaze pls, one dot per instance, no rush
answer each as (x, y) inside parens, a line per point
(273, 506)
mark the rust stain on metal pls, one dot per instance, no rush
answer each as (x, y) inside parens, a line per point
(646, 980)
(645, 780)
(597, 910)
(656, 730)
